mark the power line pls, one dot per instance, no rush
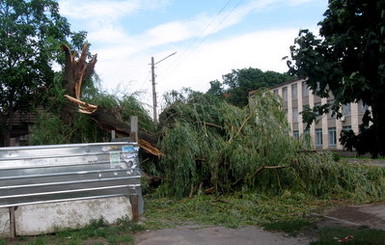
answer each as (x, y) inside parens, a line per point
(190, 50)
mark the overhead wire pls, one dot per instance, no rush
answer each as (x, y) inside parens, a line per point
(201, 38)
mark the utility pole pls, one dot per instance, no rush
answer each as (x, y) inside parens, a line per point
(154, 102)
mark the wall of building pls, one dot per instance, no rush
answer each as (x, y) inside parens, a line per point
(326, 133)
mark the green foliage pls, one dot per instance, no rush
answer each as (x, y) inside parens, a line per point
(212, 145)
(131, 106)
(30, 35)
(236, 85)
(348, 62)
(319, 175)
(50, 128)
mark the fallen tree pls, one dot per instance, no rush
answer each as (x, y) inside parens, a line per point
(211, 146)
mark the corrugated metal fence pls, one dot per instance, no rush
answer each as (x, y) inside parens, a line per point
(43, 174)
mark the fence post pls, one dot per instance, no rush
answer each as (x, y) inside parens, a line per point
(134, 198)
(12, 222)
(113, 135)
(134, 129)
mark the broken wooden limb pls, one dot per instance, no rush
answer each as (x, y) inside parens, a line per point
(150, 148)
(108, 122)
(84, 107)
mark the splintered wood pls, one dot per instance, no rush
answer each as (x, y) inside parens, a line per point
(84, 107)
(78, 70)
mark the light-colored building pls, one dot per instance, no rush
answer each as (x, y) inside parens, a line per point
(326, 133)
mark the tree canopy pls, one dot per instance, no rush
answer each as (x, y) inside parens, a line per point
(237, 84)
(31, 32)
(348, 61)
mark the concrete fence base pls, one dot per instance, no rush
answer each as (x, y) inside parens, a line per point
(47, 218)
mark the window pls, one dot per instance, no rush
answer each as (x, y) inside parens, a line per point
(318, 137)
(346, 110)
(275, 91)
(347, 128)
(296, 134)
(305, 90)
(362, 107)
(284, 93)
(295, 115)
(332, 136)
(294, 92)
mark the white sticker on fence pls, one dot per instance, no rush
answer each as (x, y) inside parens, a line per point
(115, 159)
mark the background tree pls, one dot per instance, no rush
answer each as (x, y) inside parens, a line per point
(30, 36)
(348, 61)
(236, 85)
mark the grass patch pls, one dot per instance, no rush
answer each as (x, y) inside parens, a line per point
(97, 232)
(331, 235)
(114, 234)
(230, 210)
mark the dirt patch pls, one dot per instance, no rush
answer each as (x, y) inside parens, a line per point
(366, 215)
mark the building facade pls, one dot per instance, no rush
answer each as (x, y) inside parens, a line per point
(325, 133)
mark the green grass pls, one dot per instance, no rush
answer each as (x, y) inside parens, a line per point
(230, 211)
(331, 235)
(97, 232)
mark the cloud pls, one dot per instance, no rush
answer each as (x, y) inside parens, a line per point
(90, 9)
(97, 13)
(263, 50)
(124, 58)
(299, 2)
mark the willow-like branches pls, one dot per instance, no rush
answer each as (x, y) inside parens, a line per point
(214, 146)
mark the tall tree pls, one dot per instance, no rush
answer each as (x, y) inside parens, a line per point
(30, 35)
(237, 84)
(348, 60)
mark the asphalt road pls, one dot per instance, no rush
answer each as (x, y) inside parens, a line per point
(216, 235)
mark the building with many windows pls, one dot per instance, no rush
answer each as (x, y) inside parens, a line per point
(326, 132)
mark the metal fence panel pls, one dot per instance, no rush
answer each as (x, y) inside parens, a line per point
(53, 173)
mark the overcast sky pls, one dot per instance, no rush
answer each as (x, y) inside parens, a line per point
(211, 37)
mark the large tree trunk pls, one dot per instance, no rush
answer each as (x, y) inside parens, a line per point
(75, 72)
(108, 122)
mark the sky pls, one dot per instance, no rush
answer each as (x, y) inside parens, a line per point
(210, 37)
